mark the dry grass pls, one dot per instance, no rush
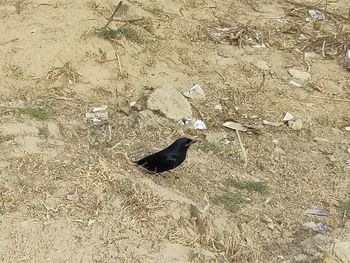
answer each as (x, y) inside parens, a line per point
(67, 73)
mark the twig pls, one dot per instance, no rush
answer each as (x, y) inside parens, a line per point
(120, 65)
(9, 41)
(335, 99)
(125, 155)
(131, 20)
(3, 204)
(220, 75)
(112, 16)
(243, 149)
(115, 146)
(110, 132)
(263, 81)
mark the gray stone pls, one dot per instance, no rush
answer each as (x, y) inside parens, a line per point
(300, 75)
(170, 102)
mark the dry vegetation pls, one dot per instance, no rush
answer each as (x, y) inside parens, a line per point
(69, 191)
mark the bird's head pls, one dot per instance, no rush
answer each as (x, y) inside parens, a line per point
(186, 142)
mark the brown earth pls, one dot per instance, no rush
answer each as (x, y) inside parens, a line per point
(69, 192)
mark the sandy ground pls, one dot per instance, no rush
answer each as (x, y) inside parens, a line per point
(69, 192)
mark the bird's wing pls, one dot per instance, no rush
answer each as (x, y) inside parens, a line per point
(170, 158)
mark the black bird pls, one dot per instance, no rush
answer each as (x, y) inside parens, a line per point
(167, 159)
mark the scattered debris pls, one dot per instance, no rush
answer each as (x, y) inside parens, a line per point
(347, 128)
(195, 123)
(288, 117)
(295, 125)
(298, 74)
(316, 212)
(315, 14)
(295, 84)
(272, 123)
(169, 102)
(318, 227)
(195, 92)
(238, 127)
(98, 115)
(239, 34)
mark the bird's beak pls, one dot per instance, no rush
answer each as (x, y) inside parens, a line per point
(191, 142)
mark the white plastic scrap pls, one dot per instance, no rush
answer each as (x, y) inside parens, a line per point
(295, 84)
(347, 128)
(288, 117)
(195, 91)
(259, 46)
(98, 115)
(316, 212)
(199, 125)
(195, 123)
(315, 14)
(319, 227)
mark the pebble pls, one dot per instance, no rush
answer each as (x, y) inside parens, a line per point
(296, 125)
(300, 75)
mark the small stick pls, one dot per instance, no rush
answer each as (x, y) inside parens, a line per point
(335, 99)
(131, 20)
(323, 46)
(9, 41)
(263, 81)
(243, 149)
(112, 16)
(110, 132)
(220, 75)
(120, 65)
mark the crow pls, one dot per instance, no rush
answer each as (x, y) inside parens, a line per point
(167, 159)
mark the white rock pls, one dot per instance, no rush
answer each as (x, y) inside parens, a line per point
(300, 75)
(170, 102)
(288, 117)
(296, 125)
